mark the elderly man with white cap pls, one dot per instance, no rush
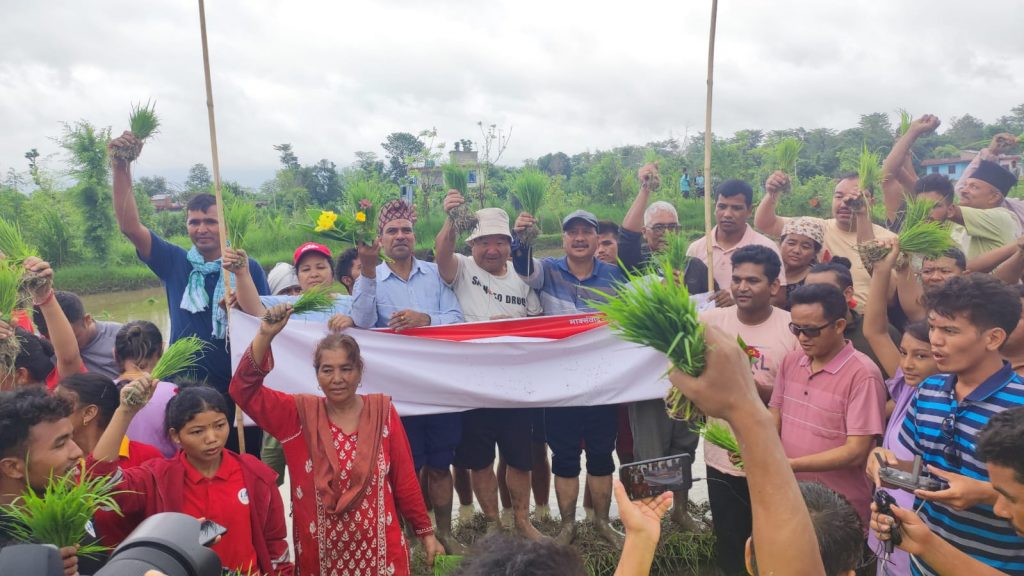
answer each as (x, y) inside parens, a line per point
(487, 289)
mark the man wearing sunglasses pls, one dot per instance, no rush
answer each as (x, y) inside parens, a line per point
(828, 399)
(969, 318)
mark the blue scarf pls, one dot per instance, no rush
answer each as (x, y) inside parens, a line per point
(196, 299)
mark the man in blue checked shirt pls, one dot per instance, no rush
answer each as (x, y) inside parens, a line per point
(969, 319)
(567, 285)
(409, 293)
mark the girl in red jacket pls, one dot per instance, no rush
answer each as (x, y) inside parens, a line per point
(204, 480)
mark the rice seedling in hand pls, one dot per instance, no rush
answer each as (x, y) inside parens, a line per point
(905, 120)
(720, 435)
(529, 188)
(239, 215)
(15, 251)
(786, 153)
(919, 235)
(675, 250)
(59, 515)
(182, 355)
(143, 123)
(869, 171)
(10, 280)
(658, 313)
(317, 299)
(455, 178)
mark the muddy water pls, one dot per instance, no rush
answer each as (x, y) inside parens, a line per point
(147, 304)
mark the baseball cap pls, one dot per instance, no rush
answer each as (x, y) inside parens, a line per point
(580, 215)
(310, 247)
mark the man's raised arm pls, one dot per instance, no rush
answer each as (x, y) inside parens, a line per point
(125, 210)
(444, 244)
(765, 218)
(893, 168)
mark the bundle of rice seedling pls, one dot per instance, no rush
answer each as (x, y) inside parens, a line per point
(720, 435)
(786, 153)
(657, 312)
(919, 235)
(180, 356)
(905, 120)
(869, 171)
(455, 178)
(316, 299)
(675, 250)
(529, 188)
(238, 216)
(445, 564)
(10, 279)
(143, 123)
(15, 251)
(60, 514)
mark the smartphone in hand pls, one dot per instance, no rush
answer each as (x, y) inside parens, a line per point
(648, 478)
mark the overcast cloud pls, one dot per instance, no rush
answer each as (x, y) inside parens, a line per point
(336, 77)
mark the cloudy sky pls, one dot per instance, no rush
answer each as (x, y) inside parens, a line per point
(336, 77)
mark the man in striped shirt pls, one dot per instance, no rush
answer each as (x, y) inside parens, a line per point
(969, 319)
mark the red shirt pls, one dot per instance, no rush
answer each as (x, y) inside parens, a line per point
(113, 527)
(21, 320)
(134, 453)
(223, 499)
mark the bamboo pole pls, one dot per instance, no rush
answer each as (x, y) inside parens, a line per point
(221, 220)
(708, 189)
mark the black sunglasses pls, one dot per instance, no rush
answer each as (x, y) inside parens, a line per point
(809, 331)
(950, 450)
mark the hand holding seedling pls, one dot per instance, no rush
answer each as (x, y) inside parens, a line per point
(925, 124)
(776, 183)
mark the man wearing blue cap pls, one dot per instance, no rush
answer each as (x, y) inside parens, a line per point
(567, 285)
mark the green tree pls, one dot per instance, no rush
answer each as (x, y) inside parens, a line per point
(368, 163)
(199, 180)
(87, 150)
(152, 185)
(555, 164)
(322, 182)
(966, 132)
(398, 148)
(287, 157)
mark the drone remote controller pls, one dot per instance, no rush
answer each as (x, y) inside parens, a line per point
(908, 481)
(884, 502)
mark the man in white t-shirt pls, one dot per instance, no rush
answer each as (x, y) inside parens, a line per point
(489, 289)
(765, 330)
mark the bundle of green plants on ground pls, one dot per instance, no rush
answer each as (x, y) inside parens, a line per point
(786, 153)
(143, 123)
(529, 188)
(239, 215)
(920, 235)
(59, 515)
(455, 178)
(658, 313)
(719, 434)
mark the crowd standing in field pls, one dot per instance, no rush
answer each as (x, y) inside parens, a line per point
(851, 369)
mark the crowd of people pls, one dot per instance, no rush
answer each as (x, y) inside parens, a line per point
(856, 369)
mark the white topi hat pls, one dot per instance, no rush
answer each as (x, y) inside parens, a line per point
(489, 222)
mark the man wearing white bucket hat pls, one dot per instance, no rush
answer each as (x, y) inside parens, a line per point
(488, 289)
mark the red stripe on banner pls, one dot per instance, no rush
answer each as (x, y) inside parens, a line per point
(550, 327)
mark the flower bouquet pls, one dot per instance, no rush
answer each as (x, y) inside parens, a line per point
(354, 225)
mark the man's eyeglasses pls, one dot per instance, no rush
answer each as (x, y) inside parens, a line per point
(662, 228)
(950, 450)
(809, 331)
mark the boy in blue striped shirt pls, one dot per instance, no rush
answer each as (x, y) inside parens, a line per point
(969, 319)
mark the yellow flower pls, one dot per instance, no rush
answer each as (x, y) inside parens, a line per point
(325, 221)
(360, 216)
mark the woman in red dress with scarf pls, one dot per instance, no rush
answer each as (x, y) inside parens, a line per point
(348, 459)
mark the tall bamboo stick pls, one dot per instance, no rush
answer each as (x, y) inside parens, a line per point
(221, 220)
(708, 189)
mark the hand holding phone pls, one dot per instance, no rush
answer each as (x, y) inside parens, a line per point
(649, 478)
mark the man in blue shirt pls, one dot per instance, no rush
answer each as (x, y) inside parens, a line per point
(192, 279)
(409, 293)
(969, 318)
(684, 184)
(567, 285)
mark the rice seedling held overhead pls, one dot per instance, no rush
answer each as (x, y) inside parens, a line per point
(787, 153)
(12, 243)
(181, 356)
(529, 188)
(455, 178)
(143, 123)
(905, 121)
(920, 235)
(239, 215)
(59, 515)
(10, 280)
(658, 313)
(869, 171)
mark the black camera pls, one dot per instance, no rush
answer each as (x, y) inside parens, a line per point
(168, 543)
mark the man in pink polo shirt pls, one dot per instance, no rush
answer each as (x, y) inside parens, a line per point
(734, 203)
(828, 399)
(765, 329)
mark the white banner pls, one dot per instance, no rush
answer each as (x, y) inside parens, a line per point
(426, 375)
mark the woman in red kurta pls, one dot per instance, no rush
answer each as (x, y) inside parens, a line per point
(348, 458)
